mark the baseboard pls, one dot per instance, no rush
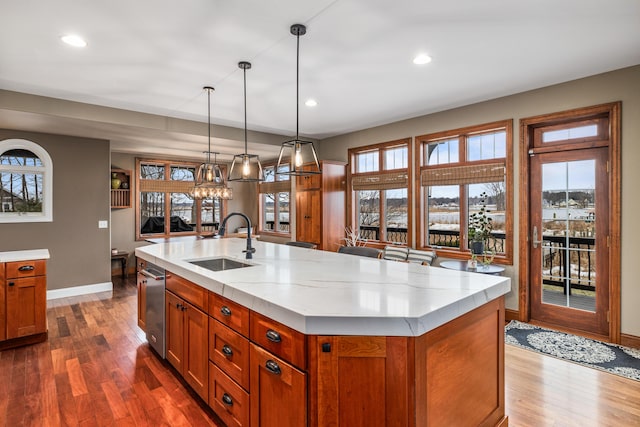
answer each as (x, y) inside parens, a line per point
(79, 290)
(629, 340)
(510, 315)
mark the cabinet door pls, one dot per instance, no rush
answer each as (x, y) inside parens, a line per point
(26, 306)
(142, 302)
(278, 391)
(174, 328)
(309, 217)
(361, 381)
(3, 305)
(196, 349)
(308, 182)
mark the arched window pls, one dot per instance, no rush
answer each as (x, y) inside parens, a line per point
(26, 182)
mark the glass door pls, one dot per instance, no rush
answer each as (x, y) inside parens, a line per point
(569, 241)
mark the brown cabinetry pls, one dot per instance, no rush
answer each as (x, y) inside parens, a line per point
(187, 332)
(371, 371)
(23, 302)
(120, 188)
(450, 376)
(278, 391)
(320, 206)
(254, 371)
(142, 294)
(229, 360)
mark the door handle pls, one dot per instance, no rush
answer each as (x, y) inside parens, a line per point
(535, 240)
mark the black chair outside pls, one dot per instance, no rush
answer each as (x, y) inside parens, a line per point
(360, 251)
(307, 245)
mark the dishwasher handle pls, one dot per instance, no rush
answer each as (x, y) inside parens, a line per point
(151, 275)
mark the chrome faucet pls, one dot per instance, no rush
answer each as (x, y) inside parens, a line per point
(249, 251)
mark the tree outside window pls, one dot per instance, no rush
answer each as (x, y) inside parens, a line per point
(274, 194)
(25, 182)
(379, 198)
(465, 172)
(165, 206)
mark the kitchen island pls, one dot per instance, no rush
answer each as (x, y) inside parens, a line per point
(376, 342)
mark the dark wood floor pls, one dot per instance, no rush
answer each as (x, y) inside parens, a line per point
(97, 370)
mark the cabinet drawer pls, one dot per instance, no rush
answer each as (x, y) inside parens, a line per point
(229, 313)
(18, 269)
(230, 352)
(279, 339)
(190, 292)
(227, 399)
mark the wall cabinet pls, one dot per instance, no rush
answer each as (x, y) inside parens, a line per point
(320, 206)
(187, 332)
(23, 303)
(120, 188)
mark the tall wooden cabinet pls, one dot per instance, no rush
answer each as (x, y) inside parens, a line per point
(320, 206)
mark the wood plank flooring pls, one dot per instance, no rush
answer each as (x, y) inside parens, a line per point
(97, 370)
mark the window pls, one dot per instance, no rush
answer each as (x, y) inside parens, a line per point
(274, 195)
(462, 171)
(164, 204)
(379, 196)
(26, 182)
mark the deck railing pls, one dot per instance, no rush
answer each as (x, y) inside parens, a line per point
(573, 264)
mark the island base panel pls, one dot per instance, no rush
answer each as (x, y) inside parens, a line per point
(453, 375)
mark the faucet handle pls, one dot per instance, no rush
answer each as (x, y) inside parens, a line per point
(252, 250)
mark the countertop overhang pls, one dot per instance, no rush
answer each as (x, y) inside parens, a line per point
(26, 255)
(327, 293)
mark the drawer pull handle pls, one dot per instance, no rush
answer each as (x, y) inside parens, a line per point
(227, 400)
(273, 336)
(226, 350)
(226, 311)
(12, 283)
(272, 367)
(26, 268)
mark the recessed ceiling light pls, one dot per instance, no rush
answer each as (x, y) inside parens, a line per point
(73, 40)
(311, 102)
(422, 59)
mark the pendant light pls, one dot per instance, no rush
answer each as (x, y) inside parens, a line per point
(209, 178)
(298, 157)
(245, 167)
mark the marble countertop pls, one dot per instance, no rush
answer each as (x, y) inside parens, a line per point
(26, 255)
(326, 293)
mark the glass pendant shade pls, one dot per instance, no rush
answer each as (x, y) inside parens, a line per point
(298, 157)
(245, 167)
(209, 183)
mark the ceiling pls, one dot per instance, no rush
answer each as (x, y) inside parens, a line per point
(154, 56)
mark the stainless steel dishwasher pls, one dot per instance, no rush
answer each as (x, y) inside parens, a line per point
(154, 310)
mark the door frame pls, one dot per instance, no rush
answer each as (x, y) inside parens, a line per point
(613, 110)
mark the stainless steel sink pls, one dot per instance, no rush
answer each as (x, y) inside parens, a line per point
(219, 264)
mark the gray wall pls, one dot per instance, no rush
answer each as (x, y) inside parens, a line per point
(79, 250)
(621, 85)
